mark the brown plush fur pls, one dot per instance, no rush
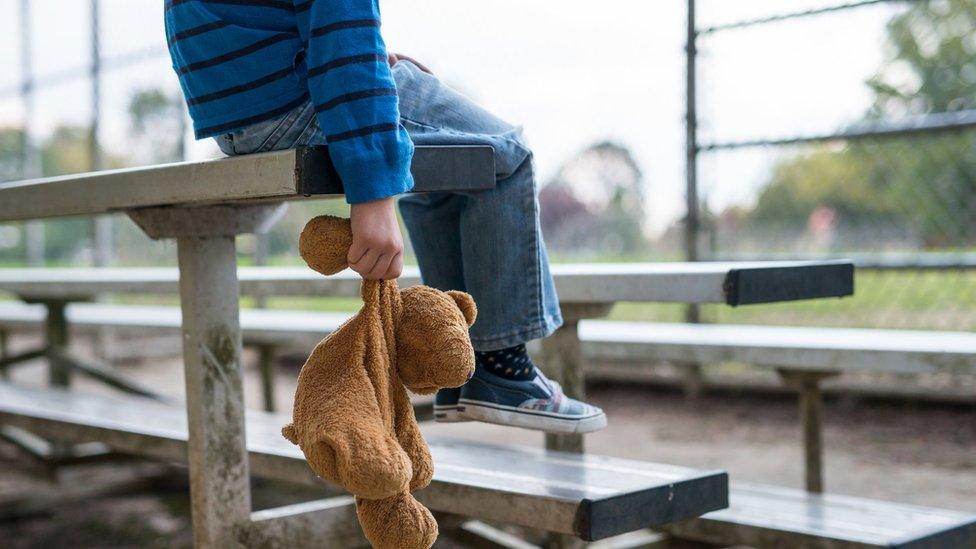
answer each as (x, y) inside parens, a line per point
(352, 416)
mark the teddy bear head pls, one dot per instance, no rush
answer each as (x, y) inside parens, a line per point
(433, 348)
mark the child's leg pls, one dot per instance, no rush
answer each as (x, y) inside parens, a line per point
(489, 244)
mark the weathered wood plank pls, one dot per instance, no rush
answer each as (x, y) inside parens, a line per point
(890, 351)
(588, 496)
(766, 516)
(277, 176)
(705, 282)
(329, 522)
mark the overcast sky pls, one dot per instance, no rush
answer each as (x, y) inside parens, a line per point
(572, 72)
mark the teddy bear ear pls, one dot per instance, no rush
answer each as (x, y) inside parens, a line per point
(288, 431)
(466, 303)
(324, 244)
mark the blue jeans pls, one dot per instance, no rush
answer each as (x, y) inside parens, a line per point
(487, 243)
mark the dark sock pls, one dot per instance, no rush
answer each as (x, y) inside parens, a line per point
(511, 363)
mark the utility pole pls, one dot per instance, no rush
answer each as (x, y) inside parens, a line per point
(30, 166)
(103, 224)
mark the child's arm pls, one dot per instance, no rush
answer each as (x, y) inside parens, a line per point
(356, 104)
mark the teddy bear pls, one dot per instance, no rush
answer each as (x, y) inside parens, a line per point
(352, 417)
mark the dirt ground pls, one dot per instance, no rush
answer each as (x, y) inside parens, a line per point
(913, 453)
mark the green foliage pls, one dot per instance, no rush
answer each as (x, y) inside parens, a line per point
(822, 178)
(920, 188)
(157, 123)
(595, 202)
(11, 145)
(934, 67)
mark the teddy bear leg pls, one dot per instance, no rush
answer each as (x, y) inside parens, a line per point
(398, 522)
(413, 443)
(365, 462)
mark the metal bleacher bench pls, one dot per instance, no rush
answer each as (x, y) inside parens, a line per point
(586, 291)
(204, 205)
(767, 516)
(759, 515)
(803, 358)
(590, 497)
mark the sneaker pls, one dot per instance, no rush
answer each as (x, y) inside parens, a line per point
(537, 404)
(446, 406)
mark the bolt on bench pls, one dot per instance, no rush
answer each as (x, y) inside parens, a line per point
(203, 205)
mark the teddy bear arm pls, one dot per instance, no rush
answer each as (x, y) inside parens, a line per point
(413, 443)
(362, 456)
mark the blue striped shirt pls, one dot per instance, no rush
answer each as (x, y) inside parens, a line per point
(246, 61)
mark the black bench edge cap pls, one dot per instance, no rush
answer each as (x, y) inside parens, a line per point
(960, 535)
(775, 284)
(655, 506)
(456, 168)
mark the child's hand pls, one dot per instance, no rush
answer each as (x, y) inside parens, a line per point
(377, 246)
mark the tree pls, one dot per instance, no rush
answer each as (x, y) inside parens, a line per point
(65, 151)
(157, 123)
(595, 202)
(920, 188)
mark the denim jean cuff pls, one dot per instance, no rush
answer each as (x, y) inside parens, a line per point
(536, 330)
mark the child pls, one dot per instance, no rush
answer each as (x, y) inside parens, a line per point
(261, 75)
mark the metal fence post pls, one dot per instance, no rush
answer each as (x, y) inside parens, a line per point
(692, 372)
(29, 163)
(103, 224)
(691, 138)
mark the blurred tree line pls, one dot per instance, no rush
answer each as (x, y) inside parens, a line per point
(595, 203)
(156, 131)
(916, 190)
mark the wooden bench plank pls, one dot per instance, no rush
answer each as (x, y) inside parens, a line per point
(589, 496)
(258, 326)
(890, 351)
(281, 175)
(704, 282)
(894, 351)
(771, 516)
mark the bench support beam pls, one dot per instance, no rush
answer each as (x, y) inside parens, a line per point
(219, 474)
(4, 352)
(266, 369)
(219, 482)
(56, 338)
(807, 383)
(562, 360)
(327, 522)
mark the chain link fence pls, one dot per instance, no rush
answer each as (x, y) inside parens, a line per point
(863, 146)
(876, 163)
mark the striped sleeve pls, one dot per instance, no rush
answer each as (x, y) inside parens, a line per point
(355, 97)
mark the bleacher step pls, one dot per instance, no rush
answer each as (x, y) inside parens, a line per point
(590, 496)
